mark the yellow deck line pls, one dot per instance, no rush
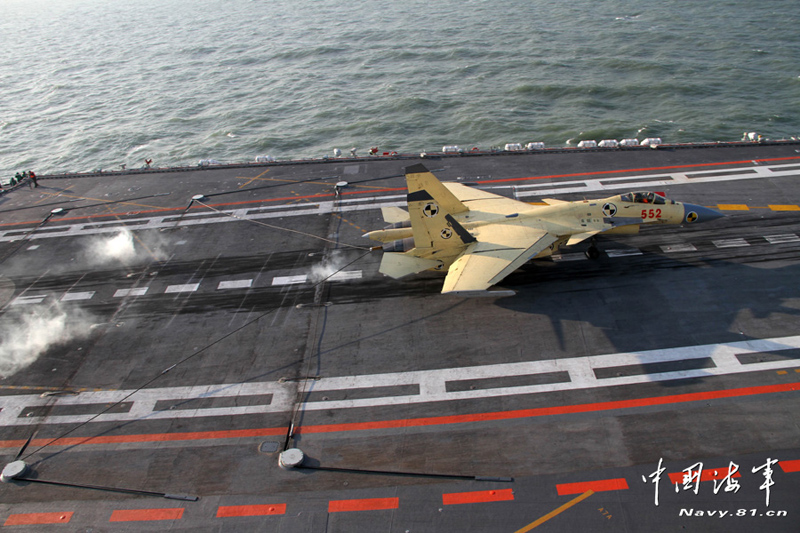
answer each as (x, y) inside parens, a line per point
(555, 512)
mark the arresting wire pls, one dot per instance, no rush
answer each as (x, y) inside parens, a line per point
(298, 232)
(182, 361)
(367, 251)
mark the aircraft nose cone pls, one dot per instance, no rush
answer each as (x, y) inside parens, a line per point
(698, 213)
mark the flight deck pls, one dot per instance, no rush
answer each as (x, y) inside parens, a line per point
(214, 349)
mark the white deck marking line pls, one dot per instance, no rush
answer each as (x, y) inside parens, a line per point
(730, 243)
(782, 239)
(346, 275)
(187, 287)
(77, 296)
(289, 280)
(376, 202)
(138, 291)
(235, 284)
(675, 248)
(432, 384)
(26, 300)
(627, 183)
(576, 256)
(788, 238)
(623, 252)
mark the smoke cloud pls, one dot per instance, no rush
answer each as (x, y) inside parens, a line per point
(25, 334)
(126, 248)
(330, 266)
(120, 247)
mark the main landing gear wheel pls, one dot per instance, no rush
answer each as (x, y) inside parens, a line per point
(592, 252)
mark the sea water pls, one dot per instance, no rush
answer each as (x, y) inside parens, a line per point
(88, 84)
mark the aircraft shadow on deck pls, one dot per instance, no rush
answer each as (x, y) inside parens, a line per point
(653, 302)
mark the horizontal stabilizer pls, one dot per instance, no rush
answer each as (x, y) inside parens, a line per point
(580, 237)
(393, 215)
(397, 265)
(553, 201)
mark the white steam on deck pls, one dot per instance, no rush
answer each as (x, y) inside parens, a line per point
(329, 266)
(126, 248)
(27, 334)
(120, 247)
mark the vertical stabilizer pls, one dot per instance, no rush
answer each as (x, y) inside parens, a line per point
(419, 178)
(431, 207)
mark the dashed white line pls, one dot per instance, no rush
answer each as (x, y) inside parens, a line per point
(25, 300)
(675, 248)
(77, 296)
(432, 384)
(731, 243)
(346, 275)
(629, 182)
(289, 280)
(376, 202)
(788, 238)
(569, 257)
(138, 291)
(188, 287)
(625, 252)
(235, 284)
(782, 239)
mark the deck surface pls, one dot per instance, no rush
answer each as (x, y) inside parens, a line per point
(199, 339)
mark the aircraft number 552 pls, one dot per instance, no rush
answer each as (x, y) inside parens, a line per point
(652, 213)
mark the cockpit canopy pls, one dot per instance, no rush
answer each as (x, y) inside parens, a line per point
(645, 198)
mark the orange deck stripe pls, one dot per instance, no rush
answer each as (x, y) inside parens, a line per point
(139, 212)
(647, 169)
(790, 466)
(152, 437)
(143, 515)
(310, 196)
(594, 486)
(481, 496)
(707, 475)
(370, 504)
(30, 519)
(421, 422)
(552, 411)
(251, 510)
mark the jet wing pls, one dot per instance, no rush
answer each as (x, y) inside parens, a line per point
(478, 200)
(500, 250)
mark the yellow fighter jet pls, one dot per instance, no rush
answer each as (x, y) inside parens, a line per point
(479, 238)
